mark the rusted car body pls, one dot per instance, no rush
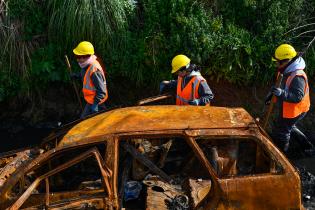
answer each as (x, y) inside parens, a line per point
(182, 157)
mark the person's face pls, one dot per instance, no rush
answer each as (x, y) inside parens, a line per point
(182, 72)
(82, 58)
(282, 63)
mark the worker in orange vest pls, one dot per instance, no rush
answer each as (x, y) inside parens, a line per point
(191, 87)
(92, 74)
(292, 95)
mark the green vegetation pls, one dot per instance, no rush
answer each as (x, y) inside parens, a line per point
(232, 40)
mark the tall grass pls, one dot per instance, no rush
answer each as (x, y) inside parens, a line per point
(72, 21)
(15, 53)
(21, 32)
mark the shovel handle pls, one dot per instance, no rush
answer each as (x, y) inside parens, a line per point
(74, 85)
(266, 118)
(154, 98)
(68, 63)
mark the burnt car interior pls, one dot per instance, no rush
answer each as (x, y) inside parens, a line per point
(178, 175)
(70, 175)
(182, 181)
(237, 157)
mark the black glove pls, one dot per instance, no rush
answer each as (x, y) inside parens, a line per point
(277, 91)
(268, 98)
(164, 86)
(194, 102)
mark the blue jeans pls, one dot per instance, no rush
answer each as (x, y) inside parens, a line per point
(87, 110)
(281, 132)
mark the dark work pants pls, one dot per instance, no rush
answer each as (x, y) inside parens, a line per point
(87, 110)
(281, 132)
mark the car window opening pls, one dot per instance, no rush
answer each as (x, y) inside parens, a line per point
(147, 189)
(237, 157)
(66, 184)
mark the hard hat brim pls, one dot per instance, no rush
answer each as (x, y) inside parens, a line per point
(174, 70)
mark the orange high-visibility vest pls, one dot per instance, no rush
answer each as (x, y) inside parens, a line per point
(292, 110)
(89, 90)
(189, 92)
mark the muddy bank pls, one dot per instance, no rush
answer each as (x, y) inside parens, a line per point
(15, 135)
(59, 103)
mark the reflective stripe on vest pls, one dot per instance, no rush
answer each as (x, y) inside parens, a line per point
(88, 89)
(292, 110)
(189, 92)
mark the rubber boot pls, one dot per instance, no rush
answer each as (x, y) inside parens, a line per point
(303, 140)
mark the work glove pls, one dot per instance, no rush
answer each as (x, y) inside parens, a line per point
(163, 84)
(268, 98)
(194, 102)
(277, 91)
(94, 108)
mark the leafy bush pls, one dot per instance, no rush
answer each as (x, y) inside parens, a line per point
(165, 29)
(235, 43)
(45, 66)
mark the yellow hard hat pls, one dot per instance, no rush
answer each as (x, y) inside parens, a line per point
(178, 62)
(84, 48)
(283, 52)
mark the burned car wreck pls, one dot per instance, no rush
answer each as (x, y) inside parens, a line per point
(153, 157)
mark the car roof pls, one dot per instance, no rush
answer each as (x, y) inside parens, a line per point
(158, 118)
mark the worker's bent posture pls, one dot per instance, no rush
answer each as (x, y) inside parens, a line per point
(292, 95)
(192, 88)
(92, 74)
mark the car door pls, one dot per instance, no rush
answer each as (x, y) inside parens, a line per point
(252, 173)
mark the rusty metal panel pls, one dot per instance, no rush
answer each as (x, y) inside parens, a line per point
(150, 118)
(156, 200)
(86, 203)
(39, 199)
(262, 192)
(198, 190)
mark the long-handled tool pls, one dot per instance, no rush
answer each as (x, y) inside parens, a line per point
(154, 98)
(272, 102)
(73, 83)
